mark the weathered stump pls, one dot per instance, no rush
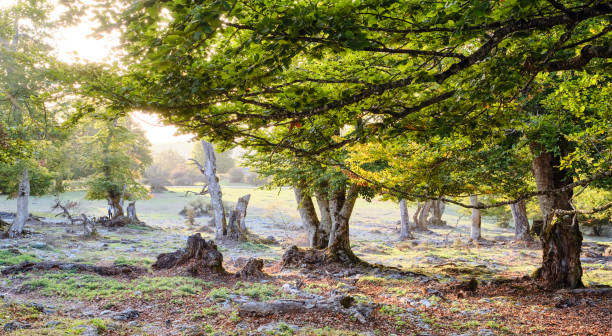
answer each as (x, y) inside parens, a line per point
(297, 257)
(252, 270)
(200, 256)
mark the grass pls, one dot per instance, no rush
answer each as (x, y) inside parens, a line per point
(87, 286)
(10, 257)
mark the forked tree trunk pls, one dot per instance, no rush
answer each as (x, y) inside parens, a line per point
(341, 206)
(23, 195)
(311, 223)
(405, 219)
(521, 223)
(216, 198)
(476, 219)
(561, 237)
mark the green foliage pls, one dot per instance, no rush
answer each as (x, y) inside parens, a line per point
(41, 179)
(118, 153)
(9, 257)
(224, 160)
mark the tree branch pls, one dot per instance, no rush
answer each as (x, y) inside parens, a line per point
(586, 55)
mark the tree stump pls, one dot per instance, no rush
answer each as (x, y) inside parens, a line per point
(252, 270)
(200, 256)
(236, 227)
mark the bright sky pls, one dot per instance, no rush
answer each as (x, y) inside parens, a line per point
(74, 42)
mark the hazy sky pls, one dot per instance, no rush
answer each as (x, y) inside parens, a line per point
(74, 41)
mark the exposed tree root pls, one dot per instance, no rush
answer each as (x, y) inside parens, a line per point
(200, 257)
(334, 260)
(101, 270)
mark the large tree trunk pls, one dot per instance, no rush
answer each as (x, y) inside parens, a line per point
(341, 206)
(114, 205)
(23, 195)
(437, 211)
(421, 218)
(216, 198)
(311, 223)
(521, 223)
(131, 213)
(325, 221)
(561, 237)
(476, 219)
(405, 219)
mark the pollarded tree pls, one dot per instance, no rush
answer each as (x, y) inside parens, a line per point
(450, 69)
(334, 191)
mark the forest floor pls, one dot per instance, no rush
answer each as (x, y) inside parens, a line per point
(423, 300)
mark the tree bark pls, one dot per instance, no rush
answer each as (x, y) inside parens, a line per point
(216, 197)
(476, 219)
(422, 221)
(405, 219)
(325, 221)
(114, 203)
(521, 223)
(23, 197)
(438, 207)
(311, 223)
(341, 206)
(131, 213)
(236, 227)
(561, 237)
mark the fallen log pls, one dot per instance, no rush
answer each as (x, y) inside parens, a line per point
(338, 304)
(64, 266)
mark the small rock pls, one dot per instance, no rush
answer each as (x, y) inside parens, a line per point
(277, 326)
(425, 303)
(52, 324)
(38, 245)
(608, 252)
(87, 330)
(133, 324)
(126, 315)
(485, 332)
(14, 325)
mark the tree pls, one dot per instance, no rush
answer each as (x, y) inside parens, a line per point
(119, 155)
(454, 69)
(31, 103)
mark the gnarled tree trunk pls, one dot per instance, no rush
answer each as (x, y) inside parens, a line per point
(325, 221)
(437, 208)
(561, 237)
(405, 229)
(521, 223)
(23, 195)
(311, 223)
(131, 213)
(341, 206)
(476, 219)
